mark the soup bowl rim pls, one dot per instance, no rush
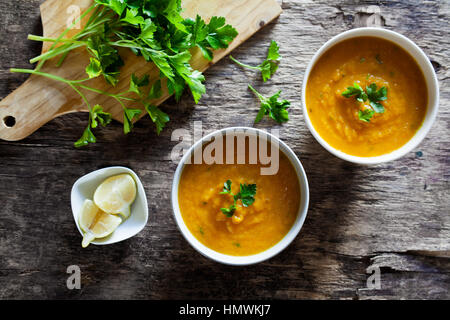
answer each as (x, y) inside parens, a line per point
(423, 63)
(254, 258)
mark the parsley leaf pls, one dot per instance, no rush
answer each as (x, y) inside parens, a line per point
(117, 5)
(376, 96)
(106, 58)
(226, 187)
(269, 65)
(155, 91)
(159, 117)
(94, 69)
(193, 78)
(148, 29)
(98, 115)
(214, 35)
(356, 91)
(129, 115)
(172, 13)
(136, 83)
(365, 115)
(372, 94)
(220, 34)
(229, 211)
(272, 107)
(133, 17)
(246, 195)
(195, 82)
(86, 138)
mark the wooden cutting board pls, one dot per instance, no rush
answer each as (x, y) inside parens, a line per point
(39, 100)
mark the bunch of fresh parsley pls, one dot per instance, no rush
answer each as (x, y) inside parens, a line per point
(246, 195)
(372, 94)
(153, 29)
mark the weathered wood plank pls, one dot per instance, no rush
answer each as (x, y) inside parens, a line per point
(394, 216)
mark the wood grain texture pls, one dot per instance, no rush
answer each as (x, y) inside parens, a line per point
(395, 216)
(40, 100)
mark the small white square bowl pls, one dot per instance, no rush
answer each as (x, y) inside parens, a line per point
(85, 187)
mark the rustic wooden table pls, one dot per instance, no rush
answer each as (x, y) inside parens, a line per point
(394, 217)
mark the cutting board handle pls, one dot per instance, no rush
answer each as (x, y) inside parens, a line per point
(37, 101)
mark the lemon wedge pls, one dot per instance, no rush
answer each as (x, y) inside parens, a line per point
(116, 194)
(95, 223)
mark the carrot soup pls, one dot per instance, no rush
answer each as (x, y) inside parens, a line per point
(234, 210)
(366, 96)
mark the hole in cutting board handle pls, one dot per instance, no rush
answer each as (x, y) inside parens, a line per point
(9, 121)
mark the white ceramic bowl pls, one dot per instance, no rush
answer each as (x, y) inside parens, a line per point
(430, 78)
(256, 258)
(85, 187)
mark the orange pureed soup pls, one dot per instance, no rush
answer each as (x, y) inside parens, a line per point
(366, 61)
(252, 229)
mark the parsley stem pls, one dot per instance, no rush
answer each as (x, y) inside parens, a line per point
(38, 67)
(56, 52)
(83, 97)
(132, 45)
(75, 22)
(48, 75)
(95, 15)
(88, 30)
(112, 95)
(244, 65)
(93, 28)
(257, 93)
(61, 60)
(52, 52)
(73, 83)
(45, 39)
